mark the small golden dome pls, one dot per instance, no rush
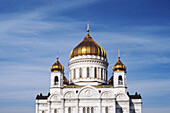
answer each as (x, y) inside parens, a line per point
(119, 66)
(65, 80)
(57, 67)
(88, 47)
(110, 80)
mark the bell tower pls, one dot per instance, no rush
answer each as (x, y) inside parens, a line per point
(57, 74)
(119, 73)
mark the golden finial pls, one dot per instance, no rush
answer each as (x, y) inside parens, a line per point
(119, 54)
(57, 55)
(88, 27)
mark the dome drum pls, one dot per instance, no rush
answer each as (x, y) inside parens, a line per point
(90, 71)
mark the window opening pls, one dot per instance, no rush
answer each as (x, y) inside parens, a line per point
(88, 72)
(88, 110)
(74, 74)
(56, 80)
(55, 111)
(92, 110)
(120, 82)
(106, 110)
(84, 110)
(80, 72)
(102, 74)
(69, 110)
(95, 72)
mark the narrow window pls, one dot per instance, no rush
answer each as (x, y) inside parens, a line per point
(106, 110)
(92, 110)
(84, 110)
(80, 72)
(106, 74)
(95, 72)
(88, 110)
(69, 110)
(56, 80)
(101, 73)
(43, 112)
(74, 74)
(55, 111)
(120, 82)
(88, 72)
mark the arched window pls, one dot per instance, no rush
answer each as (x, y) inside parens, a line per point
(88, 72)
(106, 74)
(88, 110)
(95, 72)
(74, 76)
(92, 110)
(101, 73)
(106, 110)
(56, 80)
(120, 82)
(55, 111)
(43, 111)
(84, 110)
(69, 110)
(80, 73)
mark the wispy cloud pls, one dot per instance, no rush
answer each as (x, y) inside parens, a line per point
(145, 87)
(156, 110)
(17, 109)
(29, 41)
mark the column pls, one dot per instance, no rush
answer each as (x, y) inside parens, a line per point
(105, 74)
(77, 106)
(92, 72)
(100, 106)
(62, 101)
(98, 73)
(49, 107)
(114, 106)
(84, 73)
(37, 108)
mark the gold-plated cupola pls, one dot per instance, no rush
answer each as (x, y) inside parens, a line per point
(88, 47)
(119, 66)
(57, 67)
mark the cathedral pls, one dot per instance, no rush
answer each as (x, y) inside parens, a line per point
(88, 89)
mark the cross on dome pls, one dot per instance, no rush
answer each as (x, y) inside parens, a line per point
(88, 29)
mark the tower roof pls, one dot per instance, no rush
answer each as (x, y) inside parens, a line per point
(57, 67)
(119, 66)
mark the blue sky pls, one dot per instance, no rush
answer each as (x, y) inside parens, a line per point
(32, 31)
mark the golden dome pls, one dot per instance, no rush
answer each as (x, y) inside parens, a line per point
(65, 80)
(88, 47)
(57, 67)
(119, 66)
(110, 80)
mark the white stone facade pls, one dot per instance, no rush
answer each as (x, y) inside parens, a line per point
(88, 94)
(88, 89)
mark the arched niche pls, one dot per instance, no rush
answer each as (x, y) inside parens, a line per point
(122, 97)
(69, 94)
(107, 94)
(88, 92)
(55, 97)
